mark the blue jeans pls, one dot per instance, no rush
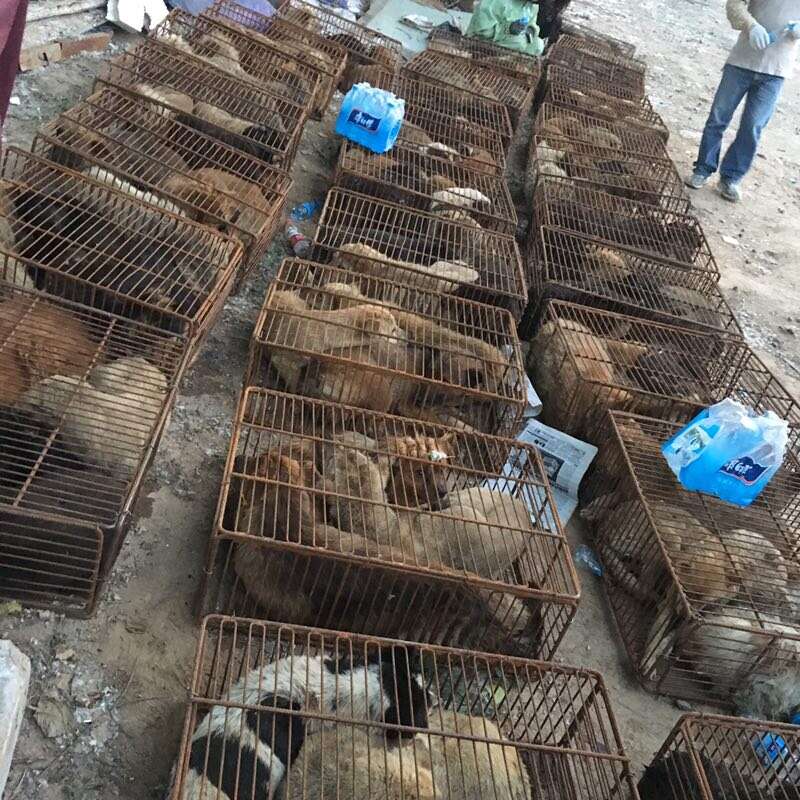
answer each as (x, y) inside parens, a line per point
(762, 92)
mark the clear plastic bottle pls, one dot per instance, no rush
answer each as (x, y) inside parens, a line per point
(585, 557)
(299, 243)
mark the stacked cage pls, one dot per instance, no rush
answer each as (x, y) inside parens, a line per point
(122, 234)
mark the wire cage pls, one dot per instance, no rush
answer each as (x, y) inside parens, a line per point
(711, 757)
(96, 245)
(211, 100)
(123, 140)
(408, 176)
(85, 398)
(421, 96)
(576, 208)
(704, 592)
(569, 267)
(486, 54)
(388, 526)
(598, 68)
(327, 57)
(599, 49)
(637, 115)
(645, 179)
(442, 251)
(448, 137)
(587, 360)
(592, 37)
(559, 124)
(439, 723)
(391, 348)
(515, 95)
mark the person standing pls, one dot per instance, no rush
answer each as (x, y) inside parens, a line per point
(12, 26)
(762, 58)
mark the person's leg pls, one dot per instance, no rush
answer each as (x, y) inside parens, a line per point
(758, 110)
(732, 88)
(12, 26)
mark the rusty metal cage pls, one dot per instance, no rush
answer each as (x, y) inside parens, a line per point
(645, 179)
(389, 348)
(599, 49)
(629, 99)
(592, 37)
(477, 148)
(515, 95)
(573, 207)
(592, 100)
(711, 757)
(442, 253)
(601, 69)
(85, 396)
(123, 140)
(486, 54)
(704, 592)
(211, 100)
(424, 97)
(410, 177)
(385, 525)
(440, 723)
(568, 267)
(96, 245)
(588, 360)
(329, 58)
(559, 124)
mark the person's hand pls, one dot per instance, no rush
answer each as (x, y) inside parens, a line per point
(793, 30)
(759, 38)
(517, 26)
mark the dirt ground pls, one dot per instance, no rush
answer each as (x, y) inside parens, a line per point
(107, 696)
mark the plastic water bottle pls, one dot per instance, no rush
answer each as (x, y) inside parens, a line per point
(305, 210)
(371, 117)
(771, 747)
(299, 243)
(584, 557)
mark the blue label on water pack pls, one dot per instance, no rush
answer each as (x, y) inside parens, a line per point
(744, 469)
(364, 120)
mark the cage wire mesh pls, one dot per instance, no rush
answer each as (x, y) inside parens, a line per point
(559, 124)
(471, 725)
(447, 137)
(408, 176)
(123, 140)
(594, 38)
(569, 267)
(572, 90)
(486, 54)
(96, 245)
(444, 254)
(459, 107)
(329, 58)
(390, 348)
(84, 398)
(711, 757)
(598, 68)
(432, 66)
(644, 179)
(575, 208)
(599, 49)
(334, 515)
(704, 592)
(585, 361)
(211, 100)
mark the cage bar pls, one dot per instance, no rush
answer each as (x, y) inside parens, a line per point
(587, 360)
(85, 397)
(591, 36)
(575, 208)
(444, 254)
(708, 756)
(515, 95)
(469, 724)
(486, 54)
(326, 56)
(389, 348)
(96, 245)
(123, 140)
(599, 68)
(408, 528)
(569, 267)
(599, 49)
(703, 592)
(211, 100)
(421, 96)
(425, 182)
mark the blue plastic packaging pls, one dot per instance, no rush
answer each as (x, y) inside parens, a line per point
(728, 451)
(305, 210)
(772, 747)
(371, 117)
(584, 557)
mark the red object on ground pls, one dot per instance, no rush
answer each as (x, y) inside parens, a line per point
(12, 26)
